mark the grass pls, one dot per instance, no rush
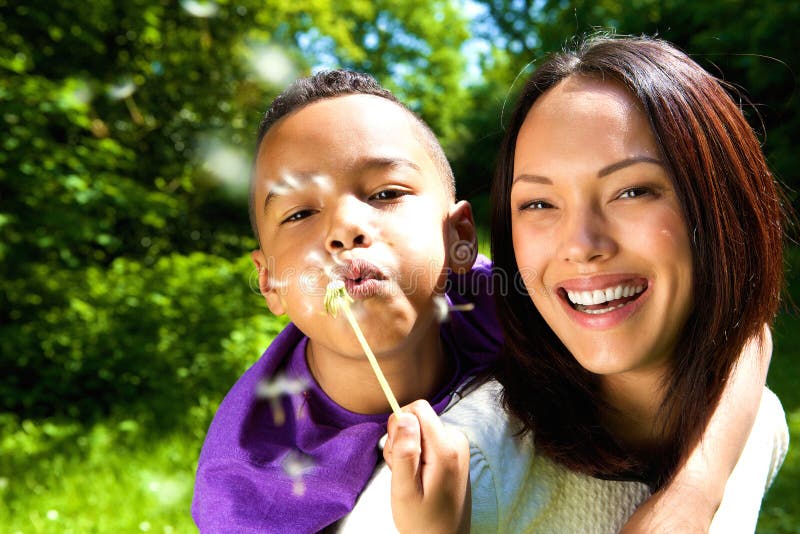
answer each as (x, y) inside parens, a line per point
(121, 475)
(109, 477)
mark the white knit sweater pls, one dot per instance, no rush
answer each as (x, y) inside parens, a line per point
(515, 490)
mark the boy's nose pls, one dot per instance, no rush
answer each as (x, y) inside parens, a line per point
(349, 228)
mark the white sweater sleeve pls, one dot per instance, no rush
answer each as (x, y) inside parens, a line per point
(761, 458)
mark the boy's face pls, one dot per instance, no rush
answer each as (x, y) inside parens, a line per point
(345, 189)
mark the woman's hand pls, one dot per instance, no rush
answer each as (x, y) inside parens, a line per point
(676, 509)
(688, 503)
(430, 472)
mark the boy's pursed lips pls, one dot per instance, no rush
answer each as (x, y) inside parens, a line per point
(362, 279)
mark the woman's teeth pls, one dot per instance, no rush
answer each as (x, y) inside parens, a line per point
(581, 299)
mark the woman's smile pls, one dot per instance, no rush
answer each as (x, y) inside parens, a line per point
(602, 301)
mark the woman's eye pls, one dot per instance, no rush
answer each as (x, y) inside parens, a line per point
(297, 216)
(635, 192)
(388, 194)
(536, 205)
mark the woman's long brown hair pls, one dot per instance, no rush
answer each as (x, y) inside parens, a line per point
(733, 211)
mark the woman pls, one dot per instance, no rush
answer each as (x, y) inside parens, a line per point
(628, 191)
(633, 201)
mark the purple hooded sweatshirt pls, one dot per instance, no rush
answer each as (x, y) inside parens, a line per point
(296, 462)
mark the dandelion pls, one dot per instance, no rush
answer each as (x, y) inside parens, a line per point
(337, 299)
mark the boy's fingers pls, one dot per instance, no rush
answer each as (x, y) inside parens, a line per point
(406, 450)
(436, 436)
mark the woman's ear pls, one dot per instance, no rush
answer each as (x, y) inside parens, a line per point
(462, 239)
(265, 284)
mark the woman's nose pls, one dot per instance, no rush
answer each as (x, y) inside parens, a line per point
(349, 227)
(586, 237)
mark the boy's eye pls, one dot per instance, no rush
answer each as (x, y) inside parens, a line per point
(388, 194)
(635, 192)
(298, 215)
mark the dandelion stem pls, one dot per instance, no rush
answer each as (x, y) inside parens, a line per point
(336, 298)
(372, 360)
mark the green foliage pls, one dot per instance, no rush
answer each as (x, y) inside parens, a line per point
(752, 45)
(129, 131)
(165, 335)
(126, 305)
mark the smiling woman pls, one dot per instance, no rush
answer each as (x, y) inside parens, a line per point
(634, 201)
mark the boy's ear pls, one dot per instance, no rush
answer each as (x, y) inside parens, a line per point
(265, 285)
(462, 239)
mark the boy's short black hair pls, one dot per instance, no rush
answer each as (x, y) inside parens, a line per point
(335, 83)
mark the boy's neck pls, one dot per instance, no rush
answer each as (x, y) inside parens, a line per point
(415, 372)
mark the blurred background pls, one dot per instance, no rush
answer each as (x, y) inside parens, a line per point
(126, 136)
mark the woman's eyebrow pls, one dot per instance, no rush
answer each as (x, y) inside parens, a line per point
(605, 171)
(614, 167)
(533, 178)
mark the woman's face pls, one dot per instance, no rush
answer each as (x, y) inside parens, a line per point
(599, 235)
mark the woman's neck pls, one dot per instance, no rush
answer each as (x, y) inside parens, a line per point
(415, 372)
(632, 416)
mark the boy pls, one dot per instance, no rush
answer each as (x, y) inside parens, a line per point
(350, 185)
(347, 184)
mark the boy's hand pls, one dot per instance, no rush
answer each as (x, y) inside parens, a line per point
(430, 472)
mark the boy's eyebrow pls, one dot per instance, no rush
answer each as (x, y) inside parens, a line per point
(361, 165)
(288, 182)
(369, 162)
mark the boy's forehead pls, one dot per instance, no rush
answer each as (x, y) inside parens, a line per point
(343, 119)
(334, 135)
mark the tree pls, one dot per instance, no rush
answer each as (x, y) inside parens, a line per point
(745, 43)
(128, 136)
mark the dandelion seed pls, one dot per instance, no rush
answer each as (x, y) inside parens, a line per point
(280, 385)
(52, 515)
(273, 65)
(295, 464)
(280, 189)
(291, 181)
(201, 10)
(229, 165)
(274, 390)
(440, 308)
(121, 90)
(322, 182)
